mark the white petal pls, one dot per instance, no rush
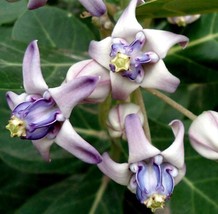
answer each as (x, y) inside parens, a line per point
(92, 68)
(157, 76)
(118, 172)
(69, 94)
(127, 26)
(100, 51)
(139, 147)
(121, 86)
(14, 99)
(203, 134)
(43, 146)
(68, 139)
(33, 80)
(175, 153)
(160, 41)
(181, 174)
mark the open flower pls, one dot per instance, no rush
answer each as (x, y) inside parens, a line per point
(133, 55)
(203, 134)
(95, 7)
(150, 173)
(41, 113)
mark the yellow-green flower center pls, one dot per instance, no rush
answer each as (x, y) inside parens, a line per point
(155, 201)
(16, 127)
(121, 62)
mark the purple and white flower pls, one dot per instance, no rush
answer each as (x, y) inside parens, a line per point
(95, 7)
(203, 134)
(41, 113)
(150, 173)
(133, 55)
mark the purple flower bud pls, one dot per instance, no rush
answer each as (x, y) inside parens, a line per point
(95, 7)
(34, 4)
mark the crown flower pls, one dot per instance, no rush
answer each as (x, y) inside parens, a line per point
(133, 55)
(150, 173)
(41, 113)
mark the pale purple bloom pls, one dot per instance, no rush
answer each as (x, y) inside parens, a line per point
(150, 173)
(34, 4)
(94, 7)
(90, 68)
(41, 113)
(133, 55)
(203, 134)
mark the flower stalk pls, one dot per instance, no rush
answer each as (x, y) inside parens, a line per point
(172, 103)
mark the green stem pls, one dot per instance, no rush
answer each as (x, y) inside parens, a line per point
(99, 195)
(139, 101)
(172, 103)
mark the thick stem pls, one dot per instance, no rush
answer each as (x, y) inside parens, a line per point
(138, 99)
(172, 103)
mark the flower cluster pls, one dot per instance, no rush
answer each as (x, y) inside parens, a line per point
(129, 59)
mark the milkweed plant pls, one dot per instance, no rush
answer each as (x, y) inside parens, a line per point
(109, 106)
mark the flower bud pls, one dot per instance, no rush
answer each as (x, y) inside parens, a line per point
(203, 134)
(183, 20)
(95, 7)
(116, 118)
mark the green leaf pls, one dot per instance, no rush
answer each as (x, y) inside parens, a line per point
(9, 12)
(167, 8)
(79, 193)
(60, 30)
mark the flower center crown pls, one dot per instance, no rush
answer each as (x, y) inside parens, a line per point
(130, 58)
(155, 201)
(121, 62)
(17, 127)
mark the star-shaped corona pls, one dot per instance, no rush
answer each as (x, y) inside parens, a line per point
(120, 62)
(16, 127)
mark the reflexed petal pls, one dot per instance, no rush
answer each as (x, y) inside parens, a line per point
(175, 153)
(68, 139)
(33, 80)
(139, 146)
(43, 146)
(95, 7)
(100, 51)
(157, 76)
(71, 93)
(13, 99)
(160, 41)
(92, 68)
(34, 4)
(127, 25)
(122, 87)
(118, 172)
